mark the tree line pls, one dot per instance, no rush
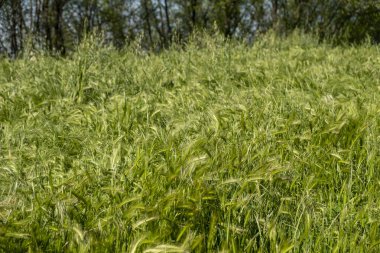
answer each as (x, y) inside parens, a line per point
(59, 25)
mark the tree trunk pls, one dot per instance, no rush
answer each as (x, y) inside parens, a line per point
(58, 40)
(168, 26)
(46, 24)
(193, 8)
(275, 14)
(16, 23)
(146, 17)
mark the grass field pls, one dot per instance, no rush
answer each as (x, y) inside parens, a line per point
(216, 147)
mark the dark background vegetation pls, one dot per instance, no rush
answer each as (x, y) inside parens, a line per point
(59, 25)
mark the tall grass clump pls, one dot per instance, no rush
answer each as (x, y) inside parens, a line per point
(210, 147)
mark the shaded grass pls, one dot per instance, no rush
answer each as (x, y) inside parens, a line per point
(216, 147)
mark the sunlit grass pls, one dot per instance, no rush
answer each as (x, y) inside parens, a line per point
(216, 147)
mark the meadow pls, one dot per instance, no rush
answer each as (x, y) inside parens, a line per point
(215, 146)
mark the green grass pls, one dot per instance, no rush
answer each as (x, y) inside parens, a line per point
(217, 147)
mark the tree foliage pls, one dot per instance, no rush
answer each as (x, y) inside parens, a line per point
(58, 25)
